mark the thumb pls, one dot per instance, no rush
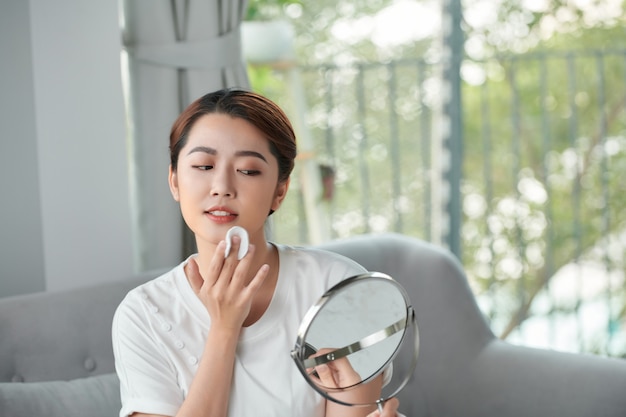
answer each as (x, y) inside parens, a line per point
(390, 409)
(193, 274)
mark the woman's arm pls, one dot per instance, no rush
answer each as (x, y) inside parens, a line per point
(223, 291)
(209, 392)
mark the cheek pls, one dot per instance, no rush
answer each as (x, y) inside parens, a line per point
(262, 194)
(189, 182)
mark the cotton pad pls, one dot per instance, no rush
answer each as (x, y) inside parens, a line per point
(243, 246)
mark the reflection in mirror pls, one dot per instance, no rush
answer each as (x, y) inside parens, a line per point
(352, 335)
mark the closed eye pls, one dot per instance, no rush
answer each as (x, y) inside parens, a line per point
(251, 172)
(203, 167)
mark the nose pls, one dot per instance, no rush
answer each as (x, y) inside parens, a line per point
(223, 183)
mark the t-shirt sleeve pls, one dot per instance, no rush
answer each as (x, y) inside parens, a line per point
(147, 378)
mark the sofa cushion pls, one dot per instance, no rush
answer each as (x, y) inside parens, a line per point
(96, 396)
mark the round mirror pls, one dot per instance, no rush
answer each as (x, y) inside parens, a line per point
(355, 331)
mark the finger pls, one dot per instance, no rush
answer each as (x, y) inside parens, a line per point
(258, 279)
(390, 408)
(194, 276)
(326, 376)
(235, 273)
(242, 272)
(220, 251)
(345, 374)
(235, 242)
(230, 262)
(343, 365)
(216, 265)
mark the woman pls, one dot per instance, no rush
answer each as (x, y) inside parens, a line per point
(212, 337)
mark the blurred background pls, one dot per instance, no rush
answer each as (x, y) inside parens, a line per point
(541, 205)
(494, 128)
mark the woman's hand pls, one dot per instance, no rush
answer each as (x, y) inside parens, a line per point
(338, 373)
(224, 289)
(390, 409)
(227, 292)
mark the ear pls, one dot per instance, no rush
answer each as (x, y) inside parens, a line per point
(280, 194)
(172, 179)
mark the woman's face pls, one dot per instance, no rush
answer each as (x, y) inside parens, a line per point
(226, 176)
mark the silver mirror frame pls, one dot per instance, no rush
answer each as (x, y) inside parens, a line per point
(298, 353)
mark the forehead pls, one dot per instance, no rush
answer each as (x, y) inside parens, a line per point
(222, 131)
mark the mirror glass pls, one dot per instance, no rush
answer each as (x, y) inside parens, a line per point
(356, 329)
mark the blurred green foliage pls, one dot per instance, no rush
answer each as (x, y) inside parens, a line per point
(543, 98)
(267, 9)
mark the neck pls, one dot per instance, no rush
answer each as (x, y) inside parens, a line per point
(263, 254)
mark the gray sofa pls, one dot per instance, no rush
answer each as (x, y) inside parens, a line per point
(56, 357)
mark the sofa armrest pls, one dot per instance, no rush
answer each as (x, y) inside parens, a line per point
(463, 370)
(513, 381)
(96, 396)
(63, 335)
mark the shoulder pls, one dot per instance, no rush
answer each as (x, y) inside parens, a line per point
(143, 300)
(314, 254)
(304, 260)
(156, 287)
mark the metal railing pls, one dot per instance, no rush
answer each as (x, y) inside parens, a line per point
(546, 222)
(544, 213)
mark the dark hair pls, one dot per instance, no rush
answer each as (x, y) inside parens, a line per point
(261, 112)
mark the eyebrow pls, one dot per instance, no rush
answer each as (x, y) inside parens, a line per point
(212, 151)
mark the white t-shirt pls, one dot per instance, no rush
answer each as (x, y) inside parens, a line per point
(160, 328)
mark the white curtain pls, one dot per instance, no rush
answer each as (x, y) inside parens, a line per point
(177, 51)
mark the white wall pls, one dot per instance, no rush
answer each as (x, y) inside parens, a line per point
(21, 239)
(65, 216)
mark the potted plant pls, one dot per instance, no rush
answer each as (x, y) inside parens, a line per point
(267, 38)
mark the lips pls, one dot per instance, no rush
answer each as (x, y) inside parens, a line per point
(221, 214)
